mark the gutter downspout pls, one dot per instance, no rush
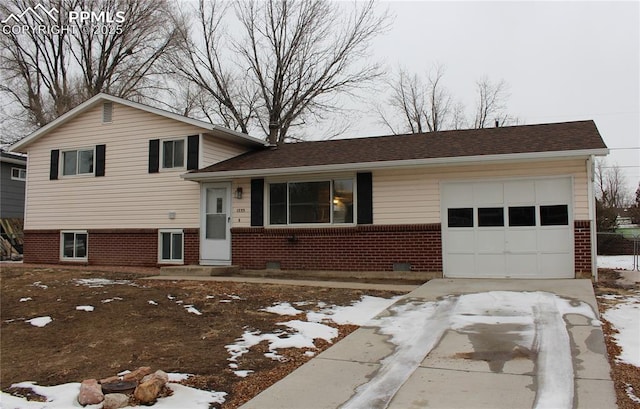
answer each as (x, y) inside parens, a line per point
(592, 216)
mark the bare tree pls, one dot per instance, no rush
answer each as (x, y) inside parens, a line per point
(491, 100)
(423, 107)
(287, 64)
(48, 72)
(610, 185)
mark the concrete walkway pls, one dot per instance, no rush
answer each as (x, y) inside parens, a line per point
(492, 365)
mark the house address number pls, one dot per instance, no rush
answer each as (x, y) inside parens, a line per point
(240, 210)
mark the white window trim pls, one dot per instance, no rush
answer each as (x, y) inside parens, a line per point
(77, 175)
(104, 107)
(79, 259)
(169, 261)
(267, 195)
(184, 160)
(20, 170)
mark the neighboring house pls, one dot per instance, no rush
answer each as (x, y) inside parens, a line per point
(13, 176)
(503, 202)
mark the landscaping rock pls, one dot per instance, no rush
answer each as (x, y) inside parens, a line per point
(138, 374)
(147, 392)
(109, 379)
(90, 392)
(160, 374)
(115, 401)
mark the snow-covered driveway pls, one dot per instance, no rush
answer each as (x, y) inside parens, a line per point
(465, 343)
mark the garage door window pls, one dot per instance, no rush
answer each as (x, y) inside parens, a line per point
(462, 217)
(490, 217)
(520, 216)
(557, 215)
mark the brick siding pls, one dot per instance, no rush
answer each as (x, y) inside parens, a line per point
(358, 248)
(109, 247)
(582, 248)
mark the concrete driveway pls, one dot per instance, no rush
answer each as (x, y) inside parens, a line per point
(464, 344)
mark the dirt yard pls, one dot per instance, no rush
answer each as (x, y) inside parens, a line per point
(146, 323)
(139, 322)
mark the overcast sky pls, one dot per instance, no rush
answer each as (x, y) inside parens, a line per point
(564, 61)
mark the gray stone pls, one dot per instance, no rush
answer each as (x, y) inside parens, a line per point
(115, 401)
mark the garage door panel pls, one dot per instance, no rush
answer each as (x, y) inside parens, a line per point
(488, 193)
(461, 265)
(522, 265)
(461, 241)
(519, 192)
(555, 266)
(553, 190)
(490, 265)
(555, 240)
(458, 192)
(490, 241)
(522, 240)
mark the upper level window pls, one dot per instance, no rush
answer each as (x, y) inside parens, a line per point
(78, 162)
(173, 154)
(317, 202)
(18, 174)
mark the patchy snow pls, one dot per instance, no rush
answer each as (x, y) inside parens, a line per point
(625, 317)
(416, 326)
(631, 393)
(178, 377)
(25, 299)
(152, 302)
(87, 308)
(65, 397)
(242, 374)
(616, 262)
(39, 321)
(283, 308)
(358, 313)
(123, 373)
(101, 282)
(108, 300)
(312, 330)
(39, 284)
(192, 309)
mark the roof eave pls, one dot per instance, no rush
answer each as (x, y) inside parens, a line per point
(456, 160)
(90, 103)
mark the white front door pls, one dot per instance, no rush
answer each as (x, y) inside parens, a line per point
(215, 224)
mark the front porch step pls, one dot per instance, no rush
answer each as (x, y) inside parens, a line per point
(198, 271)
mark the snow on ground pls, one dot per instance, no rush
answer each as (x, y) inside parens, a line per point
(625, 317)
(101, 282)
(65, 396)
(87, 308)
(416, 326)
(25, 299)
(616, 262)
(39, 321)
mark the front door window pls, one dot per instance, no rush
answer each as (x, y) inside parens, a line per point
(216, 214)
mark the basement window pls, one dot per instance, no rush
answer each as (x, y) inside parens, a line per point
(74, 245)
(171, 246)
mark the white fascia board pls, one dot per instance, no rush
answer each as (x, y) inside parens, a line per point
(90, 103)
(456, 160)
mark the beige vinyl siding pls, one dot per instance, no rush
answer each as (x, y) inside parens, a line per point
(409, 196)
(127, 196)
(216, 150)
(241, 209)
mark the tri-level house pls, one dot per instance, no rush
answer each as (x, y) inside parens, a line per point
(117, 182)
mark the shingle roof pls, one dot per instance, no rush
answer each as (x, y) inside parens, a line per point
(567, 136)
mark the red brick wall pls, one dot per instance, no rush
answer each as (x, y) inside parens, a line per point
(358, 248)
(131, 247)
(582, 249)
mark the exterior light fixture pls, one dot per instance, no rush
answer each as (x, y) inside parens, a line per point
(239, 193)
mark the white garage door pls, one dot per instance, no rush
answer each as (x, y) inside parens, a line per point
(508, 229)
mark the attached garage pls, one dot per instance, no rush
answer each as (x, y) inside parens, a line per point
(520, 228)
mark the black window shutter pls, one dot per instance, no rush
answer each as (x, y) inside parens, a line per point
(154, 155)
(100, 159)
(192, 152)
(365, 198)
(257, 202)
(53, 169)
